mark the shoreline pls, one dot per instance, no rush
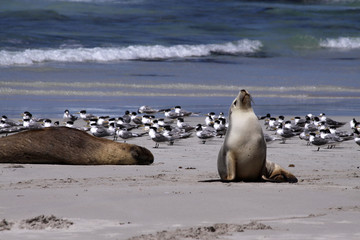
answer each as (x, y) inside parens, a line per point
(180, 191)
(13, 106)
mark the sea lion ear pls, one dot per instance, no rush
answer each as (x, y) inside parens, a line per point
(235, 102)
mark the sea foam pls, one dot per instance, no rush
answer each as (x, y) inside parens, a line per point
(137, 52)
(341, 43)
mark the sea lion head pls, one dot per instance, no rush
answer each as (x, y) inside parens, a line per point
(242, 101)
(141, 155)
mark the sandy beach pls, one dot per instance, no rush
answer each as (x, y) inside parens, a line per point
(179, 196)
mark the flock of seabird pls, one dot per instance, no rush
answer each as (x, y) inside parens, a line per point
(169, 128)
(315, 130)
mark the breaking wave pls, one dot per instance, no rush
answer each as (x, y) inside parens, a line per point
(341, 43)
(137, 52)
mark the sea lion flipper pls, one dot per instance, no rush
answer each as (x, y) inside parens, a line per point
(226, 165)
(275, 173)
(230, 166)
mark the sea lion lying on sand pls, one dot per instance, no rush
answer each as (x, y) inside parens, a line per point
(242, 156)
(62, 145)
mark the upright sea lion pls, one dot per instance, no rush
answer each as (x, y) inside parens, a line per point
(242, 156)
(63, 145)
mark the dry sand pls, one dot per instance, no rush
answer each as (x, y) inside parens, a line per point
(173, 199)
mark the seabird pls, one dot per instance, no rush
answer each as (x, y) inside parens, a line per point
(220, 127)
(169, 114)
(209, 120)
(68, 116)
(122, 124)
(98, 131)
(9, 121)
(354, 124)
(318, 141)
(221, 116)
(342, 134)
(86, 116)
(310, 127)
(333, 139)
(175, 133)
(305, 135)
(111, 129)
(155, 123)
(101, 121)
(266, 119)
(158, 137)
(28, 123)
(127, 116)
(163, 123)
(204, 134)
(292, 127)
(146, 119)
(281, 119)
(330, 122)
(125, 134)
(6, 128)
(273, 124)
(299, 121)
(147, 110)
(182, 125)
(136, 119)
(284, 133)
(357, 138)
(4, 124)
(316, 122)
(69, 124)
(269, 139)
(182, 112)
(48, 123)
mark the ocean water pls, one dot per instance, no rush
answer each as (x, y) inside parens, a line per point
(108, 56)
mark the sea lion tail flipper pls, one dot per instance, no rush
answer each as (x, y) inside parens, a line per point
(275, 173)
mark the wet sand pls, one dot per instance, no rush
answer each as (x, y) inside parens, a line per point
(179, 196)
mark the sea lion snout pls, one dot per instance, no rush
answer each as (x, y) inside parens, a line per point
(142, 155)
(245, 96)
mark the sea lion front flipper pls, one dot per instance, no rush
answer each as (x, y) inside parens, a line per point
(230, 166)
(226, 165)
(275, 173)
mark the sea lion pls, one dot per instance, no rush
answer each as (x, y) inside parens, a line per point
(63, 145)
(242, 156)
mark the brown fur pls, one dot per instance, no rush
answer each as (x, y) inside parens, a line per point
(275, 173)
(62, 145)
